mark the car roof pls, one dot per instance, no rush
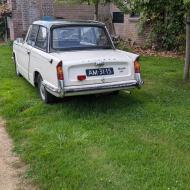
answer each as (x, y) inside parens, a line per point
(49, 24)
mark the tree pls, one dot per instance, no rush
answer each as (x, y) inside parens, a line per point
(187, 56)
(167, 20)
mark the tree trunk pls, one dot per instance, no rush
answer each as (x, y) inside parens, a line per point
(6, 28)
(187, 57)
(96, 10)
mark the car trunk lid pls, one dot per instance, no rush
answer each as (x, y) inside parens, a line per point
(98, 66)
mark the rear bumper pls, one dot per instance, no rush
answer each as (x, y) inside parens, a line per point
(99, 88)
(94, 89)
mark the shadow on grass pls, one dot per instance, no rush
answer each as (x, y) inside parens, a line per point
(100, 104)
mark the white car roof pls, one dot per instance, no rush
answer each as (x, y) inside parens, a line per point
(49, 24)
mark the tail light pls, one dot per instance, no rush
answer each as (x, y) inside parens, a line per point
(137, 66)
(60, 75)
(81, 77)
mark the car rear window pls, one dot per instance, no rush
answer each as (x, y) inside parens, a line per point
(80, 37)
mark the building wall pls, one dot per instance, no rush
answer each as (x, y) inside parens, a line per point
(74, 11)
(24, 12)
(129, 30)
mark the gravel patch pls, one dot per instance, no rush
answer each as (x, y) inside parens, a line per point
(12, 169)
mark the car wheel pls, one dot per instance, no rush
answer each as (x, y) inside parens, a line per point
(44, 94)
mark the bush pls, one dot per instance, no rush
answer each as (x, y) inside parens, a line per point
(167, 21)
(123, 45)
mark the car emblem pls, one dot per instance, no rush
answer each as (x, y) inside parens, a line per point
(100, 63)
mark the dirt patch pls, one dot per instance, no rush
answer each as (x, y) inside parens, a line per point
(12, 170)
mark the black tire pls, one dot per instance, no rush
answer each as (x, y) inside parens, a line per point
(44, 94)
(115, 92)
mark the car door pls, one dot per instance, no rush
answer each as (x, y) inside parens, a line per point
(26, 51)
(41, 60)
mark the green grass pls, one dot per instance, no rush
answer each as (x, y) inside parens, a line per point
(126, 141)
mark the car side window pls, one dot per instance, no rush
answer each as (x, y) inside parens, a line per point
(42, 38)
(32, 35)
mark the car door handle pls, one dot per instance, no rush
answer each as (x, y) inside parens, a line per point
(28, 52)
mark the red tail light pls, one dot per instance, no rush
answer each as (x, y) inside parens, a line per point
(81, 77)
(137, 66)
(60, 75)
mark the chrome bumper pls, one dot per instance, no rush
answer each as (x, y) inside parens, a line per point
(93, 89)
(100, 88)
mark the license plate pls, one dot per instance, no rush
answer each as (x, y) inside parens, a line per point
(99, 72)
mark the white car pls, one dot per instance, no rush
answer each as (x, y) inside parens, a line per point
(66, 58)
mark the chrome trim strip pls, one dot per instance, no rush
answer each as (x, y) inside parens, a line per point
(140, 82)
(99, 88)
(49, 87)
(87, 89)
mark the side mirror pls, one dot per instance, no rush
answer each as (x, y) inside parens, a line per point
(20, 40)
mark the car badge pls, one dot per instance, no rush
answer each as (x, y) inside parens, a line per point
(100, 63)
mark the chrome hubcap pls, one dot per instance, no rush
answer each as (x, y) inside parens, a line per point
(17, 72)
(42, 91)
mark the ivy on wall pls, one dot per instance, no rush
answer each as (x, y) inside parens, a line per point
(166, 20)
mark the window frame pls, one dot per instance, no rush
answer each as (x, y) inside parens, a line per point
(77, 25)
(27, 35)
(37, 47)
(118, 17)
(48, 40)
(30, 33)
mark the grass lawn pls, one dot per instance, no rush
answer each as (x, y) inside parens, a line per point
(126, 141)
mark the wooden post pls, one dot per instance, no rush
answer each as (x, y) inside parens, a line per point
(187, 56)
(96, 6)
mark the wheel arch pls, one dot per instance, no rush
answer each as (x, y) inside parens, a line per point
(14, 57)
(35, 75)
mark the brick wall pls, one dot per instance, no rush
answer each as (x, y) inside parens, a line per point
(74, 11)
(27, 11)
(83, 11)
(24, 12)
(129, 30)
